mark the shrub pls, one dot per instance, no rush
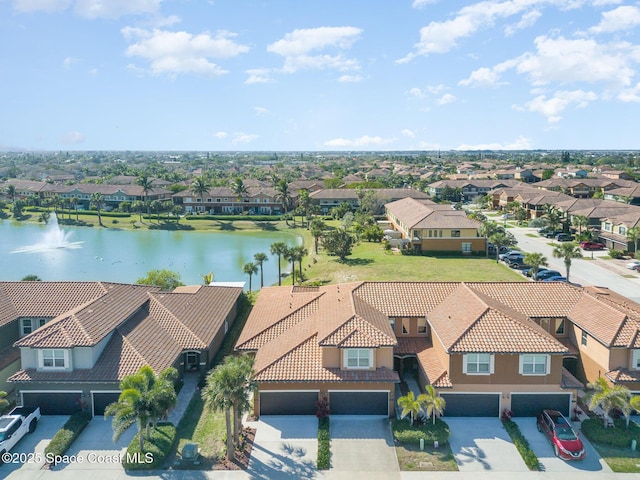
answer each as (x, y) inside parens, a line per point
(324, 444)
(521, 443)
(411, 435)
(154, 451)
(619, 437)
(254, 218)
(615, 253)
(63, 439)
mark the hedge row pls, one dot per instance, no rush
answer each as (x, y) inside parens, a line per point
(154, 451)
(521, 443)
(407, 434)
(67, 434)
(324, 444)
(253, 218)
(65, 213)
(619, 437)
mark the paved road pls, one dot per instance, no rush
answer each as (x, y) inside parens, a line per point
(605, 273)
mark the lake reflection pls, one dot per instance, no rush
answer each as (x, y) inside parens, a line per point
(126, 255)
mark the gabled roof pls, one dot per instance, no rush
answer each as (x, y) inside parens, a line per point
(416, 214)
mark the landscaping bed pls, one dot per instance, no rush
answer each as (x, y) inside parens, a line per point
(411, 457)
(614, 444)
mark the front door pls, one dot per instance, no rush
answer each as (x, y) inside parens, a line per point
(191, 361)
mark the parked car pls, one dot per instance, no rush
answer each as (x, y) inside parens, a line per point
(565, 441)
(510, 257)
(592, 246)
(529, 273)
(552, 233)
(518, 263)
(509, 252)
(492, 249)
(547, 273)
(633, 265)
(564, 237)
(15, 425)
(555, 278)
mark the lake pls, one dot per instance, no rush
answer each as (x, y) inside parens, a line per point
(126, 255)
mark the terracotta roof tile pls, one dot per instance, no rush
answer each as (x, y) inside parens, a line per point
(623, 375)
(409, 299)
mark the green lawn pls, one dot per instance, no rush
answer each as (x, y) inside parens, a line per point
(622, 460)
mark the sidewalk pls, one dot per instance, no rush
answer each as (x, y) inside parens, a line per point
(189, 388)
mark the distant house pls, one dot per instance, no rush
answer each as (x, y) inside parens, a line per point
(78, 340)
(434, 227)
(222, 201)
(470, 189)
(332, 197)
(484, 347)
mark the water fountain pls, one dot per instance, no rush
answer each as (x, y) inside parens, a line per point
(54, 238)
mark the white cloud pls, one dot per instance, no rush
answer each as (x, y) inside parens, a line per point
(483, 77)
(581, 60)
(93, 72)
(181, 52)
(241, 137)
(416, 92)
(630, 94)
(527, 20)
(115, 8)
(364, 141)
(553, 107)
(408, 133)
(67, 62)
(445, 99)
(350, 79)
(422, 3)
(221, 135)
(521, 143)
(257, 75)
(260, 111)
(297, 47)
(621, 18)
(72, 138)
(28, 6)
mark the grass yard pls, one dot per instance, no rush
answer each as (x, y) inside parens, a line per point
(411, 458)
(370, 262)
(621, 460)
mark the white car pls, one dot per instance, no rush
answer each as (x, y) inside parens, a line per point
(634, 264)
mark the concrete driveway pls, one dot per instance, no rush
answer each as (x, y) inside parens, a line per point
(363, 444)
(544, 451)
(285, 447)
(482, 444)
(33, 445)
(94, 448)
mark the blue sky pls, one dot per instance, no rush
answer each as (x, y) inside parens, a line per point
(319, 75)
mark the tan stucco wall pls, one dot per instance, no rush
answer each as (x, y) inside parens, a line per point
(452, 244)
(331, 357)
(506, 369)
(620, 357)
(384, 357)
(413, 328)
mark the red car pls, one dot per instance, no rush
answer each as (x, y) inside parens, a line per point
(592, 246)
(565, 441)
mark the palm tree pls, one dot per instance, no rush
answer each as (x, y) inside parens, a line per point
(177, 211)
(283, 195)
(279, 249)
(250, 269)
(260, 258)
(200, 187)
(244, 387)
(217, 395)
(634, 402)
(138, 206)
(317, 227)
(580, 221)
(146, 184)
(144, 397)
(536, 260)
(300, 252)
(432, 403)
(488, 229)
(74, 203)
(156, 206)
(11, 191)
(411, 405)
(607, 397)
(291, 256)
(633, 235)
(553, 215)
(238, 188)
(567, 251)
(500, 240)
(208, 278)
(97, 201)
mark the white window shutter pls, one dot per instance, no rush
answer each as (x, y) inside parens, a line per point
(464, 363)
(491, 363)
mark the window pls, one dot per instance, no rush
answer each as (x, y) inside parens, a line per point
(218, 200)
(358, 357)
(559, 327)
(622, 230)
(266, 200)
(406, 326)
(635, 360)
(466, 247)
(544, 323)
(30, 324)
(607, 226)
(422, 325)
(51, 358)
(188, 199)
(256, 200)
(455, 233)
(477, 364)
(531, 364)
(585, 336)
(392, 323)
(208, 200)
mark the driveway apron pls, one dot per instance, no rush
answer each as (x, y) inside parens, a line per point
(482, 444)
(363, 444)
(544, 451)
(285, 447)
